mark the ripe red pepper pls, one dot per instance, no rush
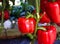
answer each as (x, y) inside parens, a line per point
(48, 36)
(26, 25)
(58, 2)
(45, 18)
(6, 14)
(58, 24)
(52, 10)
(42, 4)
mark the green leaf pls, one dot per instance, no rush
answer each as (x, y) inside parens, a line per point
(30, 36)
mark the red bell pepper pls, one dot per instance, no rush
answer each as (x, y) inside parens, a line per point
(58, 2)
(6, 14)
(26, 25)
(45, 18)
(58, 24)
(48, 36)
(52, 10)
(42, 4)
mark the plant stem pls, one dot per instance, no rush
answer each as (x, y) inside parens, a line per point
(37, 13)
(2, 18)
(5, 31)
(53, 0)
(37, 6)
(37, 19)
(3, 3)
(38, 16)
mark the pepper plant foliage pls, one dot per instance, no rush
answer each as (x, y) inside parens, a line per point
(21, 10)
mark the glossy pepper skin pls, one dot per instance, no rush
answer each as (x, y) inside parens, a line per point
(52, 10)
(58, 2)
(26, 25)
(48, 36)
(45, 18)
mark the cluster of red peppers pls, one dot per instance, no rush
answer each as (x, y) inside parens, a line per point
(29, 25)
(50, 13)
(52, 8)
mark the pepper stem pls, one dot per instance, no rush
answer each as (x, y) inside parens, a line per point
(38, 16)
(51, 0)
(2, 18)
(41, 28)
(4, 4)
(29, 15)
(37, 8)
(37, 19)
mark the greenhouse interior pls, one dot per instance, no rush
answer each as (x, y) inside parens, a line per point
(29, 21)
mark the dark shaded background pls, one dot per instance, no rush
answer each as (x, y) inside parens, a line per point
(22, 40)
